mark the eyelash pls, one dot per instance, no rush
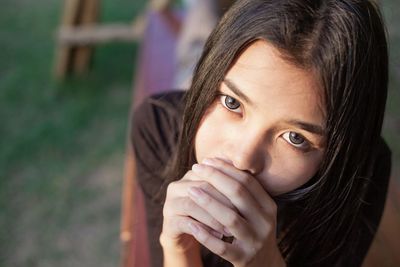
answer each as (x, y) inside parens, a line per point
(304, 147)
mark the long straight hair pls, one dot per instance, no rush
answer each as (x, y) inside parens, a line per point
(344, 43)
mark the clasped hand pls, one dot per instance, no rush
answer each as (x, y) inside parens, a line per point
(215, 199)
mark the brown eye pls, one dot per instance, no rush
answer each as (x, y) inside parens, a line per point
(231, 103)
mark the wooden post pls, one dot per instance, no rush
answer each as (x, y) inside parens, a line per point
(88, 16)
(70, 58)
(64, 52)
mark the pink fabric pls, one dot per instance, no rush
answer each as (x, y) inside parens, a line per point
(155, 73)
(140, 244)
(157, 63)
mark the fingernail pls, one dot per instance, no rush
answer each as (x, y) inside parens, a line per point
(193, 228)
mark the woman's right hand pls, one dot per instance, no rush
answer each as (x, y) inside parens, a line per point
(181, 214)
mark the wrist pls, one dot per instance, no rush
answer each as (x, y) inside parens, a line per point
(182, 254)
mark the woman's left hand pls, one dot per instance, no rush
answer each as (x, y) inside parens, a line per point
(252, 223)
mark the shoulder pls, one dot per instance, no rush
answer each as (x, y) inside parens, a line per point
(158, 117)
(154, 133)
(157, 108)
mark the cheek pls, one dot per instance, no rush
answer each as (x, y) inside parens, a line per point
(287, 173)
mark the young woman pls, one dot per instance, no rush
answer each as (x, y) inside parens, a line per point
(274, 155)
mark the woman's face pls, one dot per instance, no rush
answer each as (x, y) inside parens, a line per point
(268, 120)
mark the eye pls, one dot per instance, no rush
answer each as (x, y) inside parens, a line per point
(230, 103)
(296, 140)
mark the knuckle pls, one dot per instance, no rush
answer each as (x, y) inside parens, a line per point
(233, 221)
(256, 247)
(189, 175)
(247, 179)
(238, 189)
(188, 204)
(204, 239)
(205, 200)
(166, 211)
(274, 208)
(205, 186)
(171, 187)
(222, 250)
(215, 224)
(168, 208)
(211, 171)
(266, 231)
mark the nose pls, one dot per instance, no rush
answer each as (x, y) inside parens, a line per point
(247, 153)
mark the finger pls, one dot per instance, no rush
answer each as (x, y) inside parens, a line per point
(235, 191)
(179, 188)
(262, 222)
(255, 188)
(229, 252)
(187, 207)
(223, 214)
(181, 225)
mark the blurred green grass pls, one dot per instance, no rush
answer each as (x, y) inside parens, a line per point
(53, 134)
(58, 138)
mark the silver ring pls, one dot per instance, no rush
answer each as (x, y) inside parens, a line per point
(227, 239)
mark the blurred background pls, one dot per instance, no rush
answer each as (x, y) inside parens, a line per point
(63, 137)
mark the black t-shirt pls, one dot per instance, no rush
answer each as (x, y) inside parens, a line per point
(154, 135)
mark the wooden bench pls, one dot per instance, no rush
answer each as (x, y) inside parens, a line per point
(80, 31)
(154, 60)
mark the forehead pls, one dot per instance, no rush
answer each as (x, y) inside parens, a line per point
(272, 83)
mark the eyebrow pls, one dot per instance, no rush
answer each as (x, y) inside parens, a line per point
(309, 127)
(232, 86)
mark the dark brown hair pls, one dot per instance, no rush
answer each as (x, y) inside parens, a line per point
(344, 42)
